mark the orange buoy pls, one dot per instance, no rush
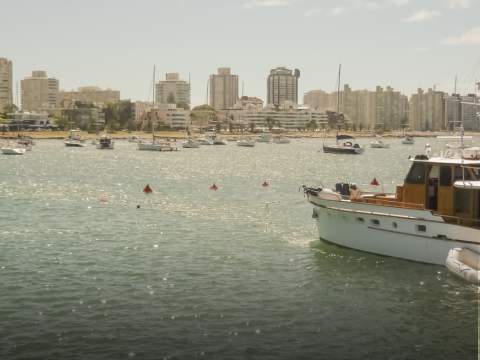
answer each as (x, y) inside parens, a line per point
(214, 187)
(147, 189)
(265, 183)
(374, 182)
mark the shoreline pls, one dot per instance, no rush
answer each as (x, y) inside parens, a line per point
(123, 135)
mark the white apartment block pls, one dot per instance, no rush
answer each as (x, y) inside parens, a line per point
(172, 90)
(427, 110)
(292, 118)
(39, 92)
(6, 83)
(89, 94)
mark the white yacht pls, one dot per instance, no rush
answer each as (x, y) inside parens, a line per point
(157, 145)
(408, 140)
(435, 210)
(246, 142)
(74, 140)
(13, 150)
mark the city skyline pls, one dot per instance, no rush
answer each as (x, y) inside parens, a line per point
(401, 43)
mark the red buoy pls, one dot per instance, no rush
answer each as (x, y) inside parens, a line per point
(265, 183)
(214, 187)
(147, 189)
(374, 182)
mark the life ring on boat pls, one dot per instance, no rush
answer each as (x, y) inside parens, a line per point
(464, 263)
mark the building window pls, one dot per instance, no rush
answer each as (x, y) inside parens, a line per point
(422, 228)
(375, 222)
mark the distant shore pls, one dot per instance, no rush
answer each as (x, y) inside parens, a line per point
(182, 135)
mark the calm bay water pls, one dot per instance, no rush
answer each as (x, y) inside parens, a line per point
(234, 274)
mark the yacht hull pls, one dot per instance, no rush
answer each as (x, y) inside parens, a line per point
(13, 151)
(416, 235)
(342, 150)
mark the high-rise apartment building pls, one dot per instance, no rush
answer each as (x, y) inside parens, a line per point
(317, 99)
(39, 92)
(382, 109)
(90, 94)
(6, 80)
(427, 110)
(223, 89)
(282, 85)
(172, 90)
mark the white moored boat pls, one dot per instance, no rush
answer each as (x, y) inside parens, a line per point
(435, 210)
(7, 150)
(464, 263)
(246, 142)
(74, 140)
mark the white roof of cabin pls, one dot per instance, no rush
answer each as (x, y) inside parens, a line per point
(472, 185)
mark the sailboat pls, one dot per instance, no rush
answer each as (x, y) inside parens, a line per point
(348, 146)
(155, 145)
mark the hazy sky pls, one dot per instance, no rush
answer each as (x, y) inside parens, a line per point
(402, 43)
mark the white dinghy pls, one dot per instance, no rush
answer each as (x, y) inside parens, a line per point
(464, 263)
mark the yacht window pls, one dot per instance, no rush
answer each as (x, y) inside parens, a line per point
(434, 172)
(394, 225)
(445, 176)
(461, 173)
(416, 175)
(375, 222)
(462, 201)
(360, 219)
(422, 228)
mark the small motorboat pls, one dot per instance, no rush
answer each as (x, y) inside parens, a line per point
(7, 150)
(74, 140)
(105, 143)
(157, 145)
(408, 140)
(379, 144)
(346, 147)
(246, 142)
(190, 144)
(464, 263)
(281, 140)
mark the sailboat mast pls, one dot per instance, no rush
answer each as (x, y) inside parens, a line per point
(338, 96)
(338, 89)
(153, 106)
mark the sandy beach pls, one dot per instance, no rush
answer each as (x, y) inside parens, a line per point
(182, 135)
